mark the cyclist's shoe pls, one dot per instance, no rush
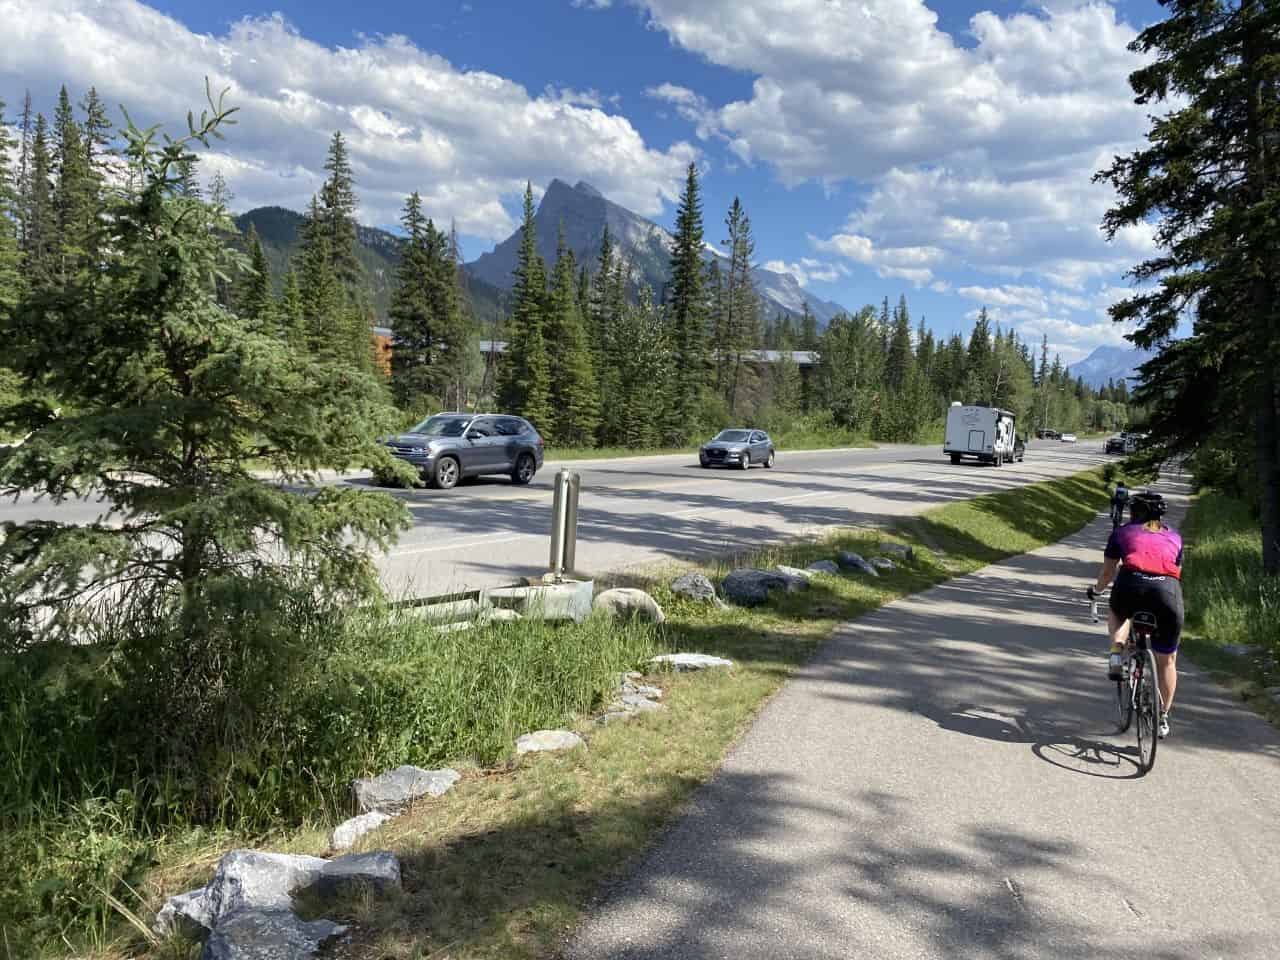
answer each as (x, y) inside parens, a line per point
(1163, 730)
(1115, 663)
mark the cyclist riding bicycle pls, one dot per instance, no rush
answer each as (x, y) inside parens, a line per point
(1118, 501)
(1144, 558)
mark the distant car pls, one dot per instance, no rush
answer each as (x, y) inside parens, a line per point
(1068, 438)
(1048, 435)
(448, 447)
(737, 448)
(1115, 445)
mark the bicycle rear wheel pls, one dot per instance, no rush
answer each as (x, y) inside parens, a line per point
(1124, 698)
(1148, 710)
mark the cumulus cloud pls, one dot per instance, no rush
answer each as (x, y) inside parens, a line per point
(913, 264)
(981, 153)
(806, 270)
(467, 139)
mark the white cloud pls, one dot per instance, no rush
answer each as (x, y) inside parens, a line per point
(980, 153)
(691, 106)
(467, 139)
(807, 270)
(913, 264)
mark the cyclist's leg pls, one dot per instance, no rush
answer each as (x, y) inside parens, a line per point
(1117, 628)
(1167, 674)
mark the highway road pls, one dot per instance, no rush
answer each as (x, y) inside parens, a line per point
(637, 510)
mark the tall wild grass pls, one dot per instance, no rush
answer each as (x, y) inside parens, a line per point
(100, 773)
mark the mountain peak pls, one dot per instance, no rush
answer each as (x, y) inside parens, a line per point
(583, 187)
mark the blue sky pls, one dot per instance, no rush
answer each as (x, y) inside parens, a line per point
(928, 147)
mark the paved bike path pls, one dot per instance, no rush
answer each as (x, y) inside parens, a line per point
(945, 780)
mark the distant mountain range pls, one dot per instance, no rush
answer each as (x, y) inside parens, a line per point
(1106, 364)
(583, 211)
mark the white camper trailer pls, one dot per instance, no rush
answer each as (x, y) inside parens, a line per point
(984, 433)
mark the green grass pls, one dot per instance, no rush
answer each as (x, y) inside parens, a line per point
(1228, 600)
(504, 864)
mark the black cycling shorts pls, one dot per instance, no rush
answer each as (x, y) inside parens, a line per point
(1135, 592)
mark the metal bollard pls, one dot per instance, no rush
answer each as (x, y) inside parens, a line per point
(564, 523)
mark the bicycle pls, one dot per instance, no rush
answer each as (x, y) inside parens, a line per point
(1138, 689)
(1117, 513)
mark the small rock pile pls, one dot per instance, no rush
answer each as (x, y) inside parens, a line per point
(633, 698)
(749, 588)
(387, 795)
(246, 911)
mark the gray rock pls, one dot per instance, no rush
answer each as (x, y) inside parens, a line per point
(348, 832)
(378, 871)
(541, 741)
(853, 561)
(255, 880)
(883, 563)
(394, 790)
(824, 566)
(626, 603)
(268, 935)
(1274, 694)
(796, 578)
(636, 701)
(751, 587)
(617, 716)
(641, 689)
(695, 586)
(691, 661)
(899, 550)
(186, 915)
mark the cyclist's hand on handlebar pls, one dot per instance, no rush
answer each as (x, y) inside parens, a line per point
(1091, 593)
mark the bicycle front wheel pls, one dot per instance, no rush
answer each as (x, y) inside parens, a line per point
(1148, 710)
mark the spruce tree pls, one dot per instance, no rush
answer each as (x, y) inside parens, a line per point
(412, 340)
(10, 276)
(292, 312)
(1209, 179)
(323, 300)
(74, 196)
(40, 223)
(687, 309)
(978, 361)
(97, 132)
(26, 133)
(900, 358)
(525, 385)
(338, 214)
(741, 323)
(254, 299)
(174, 400)
(575, 405)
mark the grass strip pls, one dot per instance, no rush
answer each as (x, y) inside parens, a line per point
(1230, 603)
(504, 865)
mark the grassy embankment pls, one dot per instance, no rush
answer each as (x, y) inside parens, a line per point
(503, 865)
(1229, 602)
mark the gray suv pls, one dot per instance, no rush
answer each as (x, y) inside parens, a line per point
(737, 448)
(447, 447)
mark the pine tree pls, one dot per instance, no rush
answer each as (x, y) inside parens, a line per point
(808, 339)
(899, 358)
(978, 361)
(687, 309)
(74, 199)
(412, 337)
(26, 134)
(40, 224)
(741, 320)
(1209, 178)
(338, 214)
(254, 300)
(292, 311)
(97, 132)
(525, 385)
(575, 405)
(173, 398)
(323, 301)
(10, 277)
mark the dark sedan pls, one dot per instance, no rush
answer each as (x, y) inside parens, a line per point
(450, 446)
(738, 448)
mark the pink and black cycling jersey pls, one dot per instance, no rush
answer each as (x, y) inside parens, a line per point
(1157, 553)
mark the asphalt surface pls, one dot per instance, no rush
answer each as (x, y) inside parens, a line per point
(945, 780)
(632, 511)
